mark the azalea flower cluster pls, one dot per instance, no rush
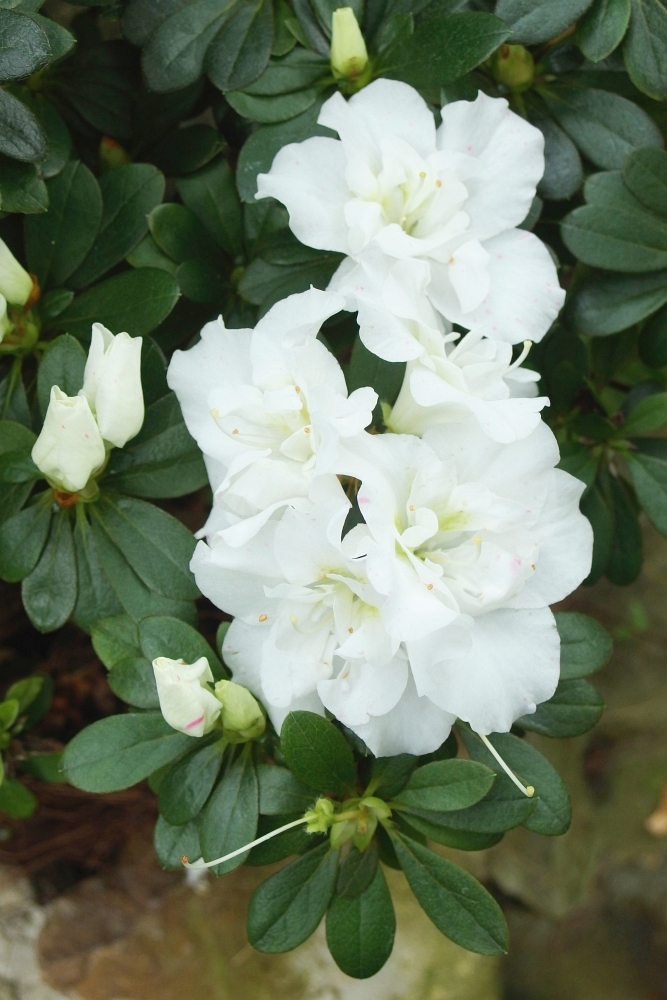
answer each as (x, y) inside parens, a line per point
(428, 599)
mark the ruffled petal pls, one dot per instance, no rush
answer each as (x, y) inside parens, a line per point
(415, 725)
(364, 689)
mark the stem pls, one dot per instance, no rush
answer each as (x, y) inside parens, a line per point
(198, 865)
(526, 789)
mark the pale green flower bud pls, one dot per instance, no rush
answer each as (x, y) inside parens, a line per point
(70, 447)
(349, 55)
(15, 282)
(112, 384)
(242, 715)
(514, 66)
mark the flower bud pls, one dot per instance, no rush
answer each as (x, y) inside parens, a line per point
(242, 716)
(349, 55)
(6, 324)
(112, 384)
(70, 447)
(15, 282)
(320, 817)
(186, 702)
(514, 66)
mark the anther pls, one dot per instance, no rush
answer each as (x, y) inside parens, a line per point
(235, 431)
(184, 859)
(429, 586)
(350, 630)
(262, 618)
(306, 430)
(293, 619)
(215, 413)
(438, 183)
(297, 388)
(412, 506)
(527, 790)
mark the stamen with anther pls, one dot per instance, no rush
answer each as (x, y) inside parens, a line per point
(197, 865)
(526, 789)
(527, 344)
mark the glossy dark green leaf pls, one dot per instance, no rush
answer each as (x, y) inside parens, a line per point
(61, 41)
(230, 818)
(653, 340)
(648, 415)
(645, 174)
(317, 752)
(148, 254)
(270, 110)
(174, 56)
(186, 149)
(286, 909)
(563, 170)
(503, 808)
(461, 840)
(594, 506)
(122, 750)
(240, 53)
(200, 281)
(22, 538)
(648, 468)
(95, 596)
(298, 70)
(390, 774)
(134, 301)
(57, 242)
(280, 792)
(115, 639)
(24, 46)
(133, 681)
(618, 241)
(576, 459)
(211, 194)
(443, 49)
(357, 871)
(18, 467)
(16, 800)
(21, 189)
(58, 139)
(625, 560)
(602, 304)
(456, 903)
(602, 27)
(21, 136)
(180, 234)
(166, 636)
(365, 368)
(264, 284)
(129, 193)
(645, 48)
(62, 365)
(49, 591)
(574, 709)
(585, 645)
(187, 785)
(534, 21)
(445, 785)
(171, 843)
(360, 930)
(99, 82)
(605, 126)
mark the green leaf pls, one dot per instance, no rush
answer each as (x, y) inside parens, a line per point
(155, 544)
(286, 909)
(298, 70)
(274, 109)
(95, 596)
(133, 681)
(563, 171)
(317, 752)
(645, 174)
(284, 845)
(553, 812)
(179, 233)
(49, 591)
(53, 303)
(115, 639)
(200, 281)
(17, 467)
(98, 81)
(186, 149)
(585, 645)
(390, 774)
(574, 709)
(121, 751)
(24, 692)
(174, 56)
(148, 254)
(653, 340)
(645, 48)
(45, 766)
(61, 41)
(129, 193)
(605, 126)
(21, 190)
(171, 843)
(456, 903)
(445, 785)
(211, 195)
(62, 365)
(602, 28)
(534, 21)
(58, 139)
(21, 136)
(259, 150)
(442, 49)
(187, 785)
(648, 468)
(24, 46)
(22, 539)
(171, 637)
(16, 800)
(135, 302)
(648, 415)
(386, 377)
(360, 930)
(616, 240)
(264, 284)
(594, 506)
(230, 818)
(602, 304)
(240, 53)
(461, 840)
(357, 871)
(57, 242)
(280, 792)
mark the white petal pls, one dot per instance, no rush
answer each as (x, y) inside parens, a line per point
(295, 320)
(364, 689)
(234, 578)
(415, 725)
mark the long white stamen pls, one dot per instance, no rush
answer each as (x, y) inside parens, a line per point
(526, 789)
(527, 344)
(197, 865)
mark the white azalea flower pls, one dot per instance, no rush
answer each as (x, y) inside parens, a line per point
(112, 384)
(69, 447)
(186, 701)
(452, 197)
(267, 407)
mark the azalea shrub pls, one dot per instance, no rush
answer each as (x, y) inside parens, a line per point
(388, 282)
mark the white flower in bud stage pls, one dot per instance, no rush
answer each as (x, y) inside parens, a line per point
(112, 384)
(267, 407)
(451, 197)
(186, 701)
(15, 283)
(349, 56)
(69, 448)
(436, 608)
